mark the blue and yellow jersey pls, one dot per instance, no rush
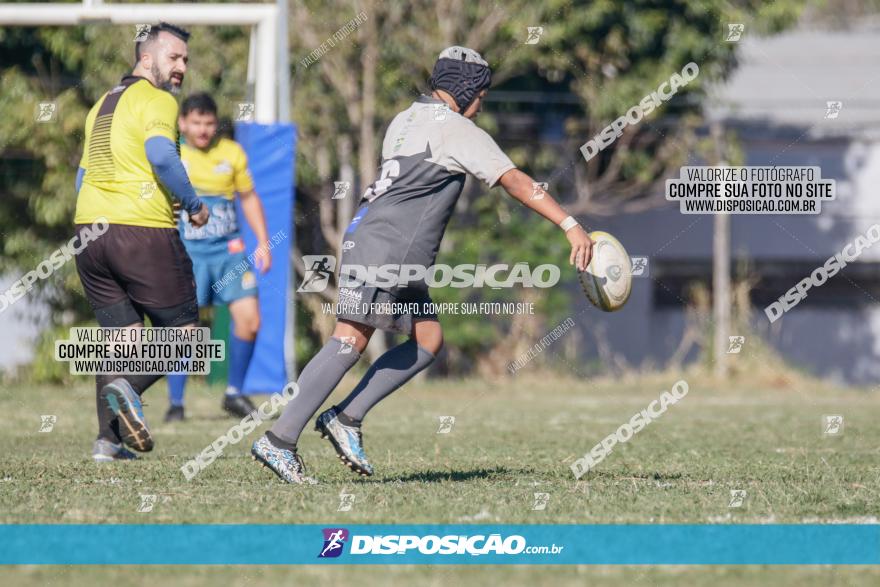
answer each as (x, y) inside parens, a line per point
(119, 183)
(216, 173)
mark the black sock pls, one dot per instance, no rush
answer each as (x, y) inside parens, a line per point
(140, 383)
(346, 420)
(108, 423)
(278, 443)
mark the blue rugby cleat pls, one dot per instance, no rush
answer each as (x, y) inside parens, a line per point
(124, 401)
(347, 440)
(287, 464)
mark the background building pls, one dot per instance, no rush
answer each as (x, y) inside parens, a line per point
(777, 104)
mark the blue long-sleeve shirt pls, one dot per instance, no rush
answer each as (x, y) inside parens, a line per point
(163, 157)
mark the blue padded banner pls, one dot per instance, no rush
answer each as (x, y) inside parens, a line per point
(270, 150)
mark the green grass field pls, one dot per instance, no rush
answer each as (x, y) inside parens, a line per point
(511, 439)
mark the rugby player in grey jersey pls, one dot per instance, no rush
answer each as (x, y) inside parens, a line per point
(428, 150)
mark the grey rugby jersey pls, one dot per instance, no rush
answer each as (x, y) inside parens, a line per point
(427, 151)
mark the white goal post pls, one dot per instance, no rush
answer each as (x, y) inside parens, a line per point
(263, 17)
(268, 62)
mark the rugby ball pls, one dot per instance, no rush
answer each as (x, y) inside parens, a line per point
(608, 278)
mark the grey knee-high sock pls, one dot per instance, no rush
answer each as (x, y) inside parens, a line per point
(390, 371)
(316, 382)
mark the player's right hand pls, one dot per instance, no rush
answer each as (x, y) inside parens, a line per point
(581, 247)
(200, 218)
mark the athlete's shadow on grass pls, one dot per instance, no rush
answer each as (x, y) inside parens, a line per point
(215, 418)
(441, 476)
(655, 476)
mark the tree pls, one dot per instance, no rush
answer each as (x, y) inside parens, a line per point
(613, 54)
(609, 54)
(70, 68)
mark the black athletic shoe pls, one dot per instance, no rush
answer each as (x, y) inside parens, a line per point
(238, 405)
(174, 414)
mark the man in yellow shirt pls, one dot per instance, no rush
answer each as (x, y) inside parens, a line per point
(218, 170)
(129, 173)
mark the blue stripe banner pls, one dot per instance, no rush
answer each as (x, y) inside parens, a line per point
(809, 544)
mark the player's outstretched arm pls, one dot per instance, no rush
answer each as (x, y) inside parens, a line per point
(252, 208)
(523, 188)
(163, 157)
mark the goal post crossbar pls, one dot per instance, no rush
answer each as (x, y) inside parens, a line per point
(268, 60)
(263, 17)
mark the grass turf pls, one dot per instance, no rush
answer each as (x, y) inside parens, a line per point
(511, 439)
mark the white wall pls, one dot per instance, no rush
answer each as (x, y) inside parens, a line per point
(20, 324)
